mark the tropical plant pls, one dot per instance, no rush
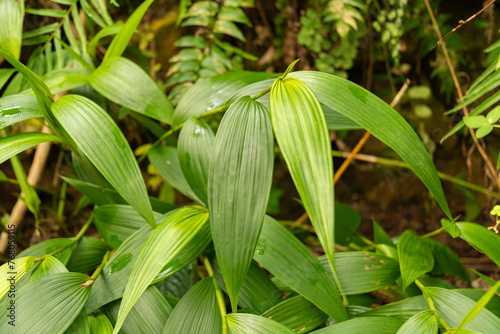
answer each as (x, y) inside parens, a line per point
(138, 276)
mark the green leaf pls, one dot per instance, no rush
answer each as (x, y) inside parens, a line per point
(228, 28)
(20, 266)
(375, 325)
(87, 255)
(298, 314)
(63, 80)
(166, 241)
(62, 296)
(11, 26)
(484, 131)
(494, 115)
(234, 14)
(17, 108)
(485, 299)
(293, 263)
(165, 159)
(402, 309)
(194, 148)
(80, 325)
(12, 145)
(94, 132)
(415, 257)
(347, 221)
(137, 91)
(148, 315)
(302, 135)
(243, 323)
(107, 31)
(5, 74)
(380, 236)
(481, 238)
(49, 266)
(380, 120)
(450, 227)
(99, 323)
(447, 261)
(197, 311)
(239, 184)
(453, 307)
(46, 12)
(475, 121)
(120, 42)
(424, 322)
(48, 246)
(361, 272)
(213, 92)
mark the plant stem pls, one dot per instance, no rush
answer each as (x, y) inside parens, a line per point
(220, 300)
(431, 304)
(433, 233)
(83, 230)
(96, 273)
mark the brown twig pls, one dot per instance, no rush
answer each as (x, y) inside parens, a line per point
(461, 24)
(358, 146)
(487, 160)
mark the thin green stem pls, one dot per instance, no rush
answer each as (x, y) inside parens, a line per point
(433, 233)
(220, 300)
(431, 305)
(98, 271)
(83, 230)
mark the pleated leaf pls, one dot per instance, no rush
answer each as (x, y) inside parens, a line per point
(194, 148)
(148, 315)
(12, 145)
(415, 257)
(166, 241)
(165, 159)
(292, 262)
(453, 307)
(12, 271)
(95, 133)
(99, 323)
(239, 184)
(300, 128)
(380, 120)
(197, 311)
(424, 322)
(373, 325)
(137, 91)
(483, 239)
(298, 314)
(80, 325)
(49, 246)
(47, 305)
(244, 323)
(49, 266)
(17, 108)
(361, 272)
(11, 26)
(87, 255)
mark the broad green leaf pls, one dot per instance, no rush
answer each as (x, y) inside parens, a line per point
(49, 266)
(11, 26)
(239, 184)
(59, 81)
(107, 31)
(213, 92)
(137, 90)
(361, 272)
(453, 307)
(415, 257)
(424, 322)
(258, 293)
(297, 313)
(166, 241)
(12, 271)
(447, 261)
(380, 120)
(165, 159)
(484, 131)
(110, 196)
(475, 121)
(380, 236)
(148, 315)
(300, 128)
(95, 133)
(17, 108)
(47, 305)
(194, 148)
(378, 325)
(293, 263)
(87, 255)
(481, 303)
(403, 309)
(483, 239)
(49, 246)
(80, 325)
(347, 221)
(99, 323)
(12, 145)
(494, 115)
(40, 89)
(244, 323)
(197, 312)
(178, 284)
(450, 227)
(116, 222)
(120, 42)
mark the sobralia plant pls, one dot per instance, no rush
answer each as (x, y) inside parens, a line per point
(139, 275)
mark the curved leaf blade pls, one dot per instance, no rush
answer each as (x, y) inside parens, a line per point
(11, 26)
(239, 184)
(376, 325)
(94, 132)
(137, 91)
(483, 239)
(424, 322)
(415, 257)
(244, 323)
(17, 108)
(12, 145)
(20, 267)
